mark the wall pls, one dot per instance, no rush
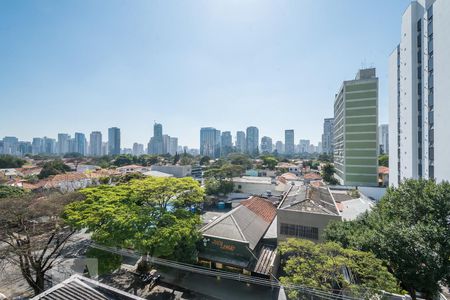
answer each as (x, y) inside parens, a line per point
(305, 219)
(177, 171)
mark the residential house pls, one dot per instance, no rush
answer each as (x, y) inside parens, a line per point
(305, 211)
(234, 241)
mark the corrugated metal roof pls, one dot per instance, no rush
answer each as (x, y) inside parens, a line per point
(246, 223)
(265, 260)
(81, 288)
(73, 290)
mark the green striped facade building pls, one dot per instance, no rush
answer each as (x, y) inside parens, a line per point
(355, 130)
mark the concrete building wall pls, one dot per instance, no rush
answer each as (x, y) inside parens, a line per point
(441, 53)
(420, 97)
(356, 130)
(319, 221)
(177, 171)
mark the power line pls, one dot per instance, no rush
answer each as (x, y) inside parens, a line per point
(227, 275)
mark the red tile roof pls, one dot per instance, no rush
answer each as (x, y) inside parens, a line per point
(262, 207)
(289, 176)
(383, 170)
(312, 176)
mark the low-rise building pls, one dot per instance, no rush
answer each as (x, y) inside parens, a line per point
(79, 287)
(10, 174)
(176, 170)
(289, 167)
(132, 169)
(383, 176)
(305, 211)
(234, 241)
(260, 186)
(157, 174)
(69, 182)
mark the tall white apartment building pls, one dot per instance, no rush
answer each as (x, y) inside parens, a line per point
(419, 94)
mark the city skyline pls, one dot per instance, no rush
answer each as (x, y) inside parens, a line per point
(133, 83)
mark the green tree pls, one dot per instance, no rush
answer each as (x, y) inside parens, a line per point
(409, 228)
(150, 215)
(240, 159)
(204, 160)
(11, 191)
(186, 159)
(328, 174)
(147, 160)
(219, 177)
(123, 160)
(176, 158)
(9, 161)
(218, 187)
(383, 160)
(73, 155)
(321, 266)
(53, 167)
(107, 262)
(270, 162)
(324, 158)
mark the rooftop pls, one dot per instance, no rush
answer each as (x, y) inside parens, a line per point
(312, 176)
(157, 174)
(383, 170)
(351, 209)
(310, 199)
(78, 287)
(246, 223)
(253, 179)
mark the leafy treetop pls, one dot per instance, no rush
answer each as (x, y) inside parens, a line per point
(321, 266)
(9, 161)
(409, 228)
(150, 215)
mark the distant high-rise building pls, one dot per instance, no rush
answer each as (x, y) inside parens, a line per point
(319, 147)
(252, 140)
(37, 146)
(240, 141)
(419, 95)
(24, 148)
(95, 143)
(104, 148)
(279, 147)
(138, 149)
(327, 136)
(210, 142)
(113, 141)
(355, 130)
(226, 143)
(289, 147)
(166, 143)
(63, 143)
(266, 144)
(383, 135)
(49, 145)
(10, 145)
(304, 146)
(156, 144)
(80, 143)
(173, 145)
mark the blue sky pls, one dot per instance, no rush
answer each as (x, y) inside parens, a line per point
(85, 65)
